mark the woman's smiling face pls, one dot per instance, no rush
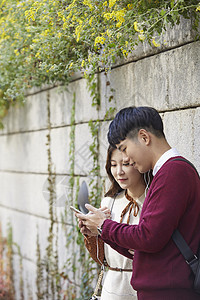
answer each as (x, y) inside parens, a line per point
(124, 173)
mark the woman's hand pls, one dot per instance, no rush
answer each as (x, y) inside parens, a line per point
(106, 211)
(84, 230)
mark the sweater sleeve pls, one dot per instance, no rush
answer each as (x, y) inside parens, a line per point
(121, 250)
(162, 210)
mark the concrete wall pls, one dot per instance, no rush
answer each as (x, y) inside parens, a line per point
(166, 78)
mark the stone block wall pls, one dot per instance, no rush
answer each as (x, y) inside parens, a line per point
(166, 78)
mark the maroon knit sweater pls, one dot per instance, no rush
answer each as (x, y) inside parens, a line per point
(173, 201)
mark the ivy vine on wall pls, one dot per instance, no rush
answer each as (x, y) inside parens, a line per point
(80, 264)
(7, 290)
(48, 280)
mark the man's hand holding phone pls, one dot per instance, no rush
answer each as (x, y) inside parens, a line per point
(104, 212)
(94, 218)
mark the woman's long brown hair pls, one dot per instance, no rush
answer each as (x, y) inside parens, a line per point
(114, 188)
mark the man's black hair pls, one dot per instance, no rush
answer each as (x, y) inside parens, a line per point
(128, 121)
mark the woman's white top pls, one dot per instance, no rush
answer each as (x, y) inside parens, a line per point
(116, 285)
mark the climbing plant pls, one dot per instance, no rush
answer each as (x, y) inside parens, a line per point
(78, 271)
(7, 288)
(48, 280)
(45, 42)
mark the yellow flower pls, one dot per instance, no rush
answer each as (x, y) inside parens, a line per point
(105, 3)
(125, 53)
(30, 14)
(69, 16)
(119, 15)
(78, 32)
(130, 6)
(17, 35)
(46, 32)
(2, 3)
(119, 24)
(155, 43)
(16, 52)
(111, 3)
(88, 3)
(99, 40)
(90, 21)
(23, 50)
(198, 7)
(70, 66)
(35, 40)
(83, 63)
(141, 37)
(89, 58)
(136, 27)
(107, 16)
(71, 5)
(65, 25)
(108, 32)
(60, 15)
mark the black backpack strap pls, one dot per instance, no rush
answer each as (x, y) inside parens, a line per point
(190, 258)
(197, 277)
(187, 161)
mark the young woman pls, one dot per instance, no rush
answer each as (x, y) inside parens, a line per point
(124, 199)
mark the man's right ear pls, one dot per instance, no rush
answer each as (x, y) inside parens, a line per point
(144, 136)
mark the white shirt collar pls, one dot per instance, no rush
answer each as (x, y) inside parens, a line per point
(167, 155)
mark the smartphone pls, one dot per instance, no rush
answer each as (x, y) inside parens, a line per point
(75, 210)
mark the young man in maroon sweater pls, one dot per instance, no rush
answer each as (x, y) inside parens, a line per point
(173, 201)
